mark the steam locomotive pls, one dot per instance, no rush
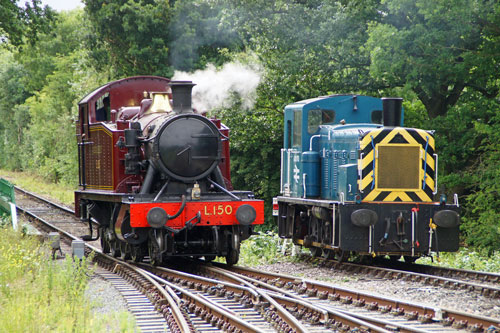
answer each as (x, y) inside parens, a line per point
(155, 175)
(353, 180)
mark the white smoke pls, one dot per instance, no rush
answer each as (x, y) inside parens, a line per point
(215, 86)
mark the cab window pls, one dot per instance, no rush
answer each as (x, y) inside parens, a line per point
(318, 117)
(102, 107)
(297, 129)
(288, 134)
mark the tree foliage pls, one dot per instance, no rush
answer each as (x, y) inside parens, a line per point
(18, 23)
(438, 48)
(131, 35)
(44, 80)
(14, 117)
(199, 35)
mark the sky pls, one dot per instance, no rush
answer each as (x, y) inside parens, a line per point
(62, 4)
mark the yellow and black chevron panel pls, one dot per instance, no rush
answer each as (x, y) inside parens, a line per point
(397, 164)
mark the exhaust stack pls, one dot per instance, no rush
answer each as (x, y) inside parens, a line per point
(392, 107)
(181, 95)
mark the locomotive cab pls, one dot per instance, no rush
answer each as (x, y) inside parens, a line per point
(307, 123)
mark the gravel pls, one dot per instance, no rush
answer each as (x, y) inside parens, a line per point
(104, 296)
(409, 291)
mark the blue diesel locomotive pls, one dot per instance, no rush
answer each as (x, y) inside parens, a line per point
(354, 180)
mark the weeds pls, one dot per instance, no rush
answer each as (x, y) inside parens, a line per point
(41, 295)
(265, 248)
(467, 259)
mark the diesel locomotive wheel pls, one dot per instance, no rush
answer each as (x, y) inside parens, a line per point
(209, 258)
(366, 259)
(394, 258)
(409, 259)
(328, 254)
(316, 251)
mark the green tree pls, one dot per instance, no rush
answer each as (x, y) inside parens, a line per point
(437, 48)
(482, 224)
(131, 35)
(17, 23)
(468, 142)
(199, 36)
(39, 59)
(298, 45)
(14, 118)
(256, 139)
(50, 146)
(308, 48)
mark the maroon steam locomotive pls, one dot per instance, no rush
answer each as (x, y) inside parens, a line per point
(155, 174)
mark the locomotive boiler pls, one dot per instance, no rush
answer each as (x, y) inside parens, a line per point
(354, 180)
(155, 174)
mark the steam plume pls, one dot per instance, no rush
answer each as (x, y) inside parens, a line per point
(214, 87)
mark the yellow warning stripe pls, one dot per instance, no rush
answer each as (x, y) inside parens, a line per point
(397, 194)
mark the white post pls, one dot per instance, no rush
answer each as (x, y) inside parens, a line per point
(13, 214)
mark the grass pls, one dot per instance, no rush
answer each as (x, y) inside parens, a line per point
(266, 248)
(41, 295)
(471, 259)
(30, 182)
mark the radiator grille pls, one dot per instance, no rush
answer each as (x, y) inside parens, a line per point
(398, 167)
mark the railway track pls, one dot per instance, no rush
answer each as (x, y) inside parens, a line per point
(201, 311)
(244, 300)
(131, 282)
(483, 283)
(462, 274)
(394, 314)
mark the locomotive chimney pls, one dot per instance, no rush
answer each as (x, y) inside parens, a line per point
(181, 95)
(392, 111)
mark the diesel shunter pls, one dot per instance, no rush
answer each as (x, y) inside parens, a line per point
(353, 179)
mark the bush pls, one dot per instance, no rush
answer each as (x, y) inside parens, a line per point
(265, 248)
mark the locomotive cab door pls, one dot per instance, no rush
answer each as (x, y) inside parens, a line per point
(82, 133)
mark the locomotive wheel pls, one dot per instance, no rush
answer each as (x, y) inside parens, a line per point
(409, 259)
(114, 249)
(209, 258)
(328, 254)
(154, 253)
(342, 255)
(125, 251)
(366, 259)
(136, 253)
(104, 242)
(232, 257)
(316, 251)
